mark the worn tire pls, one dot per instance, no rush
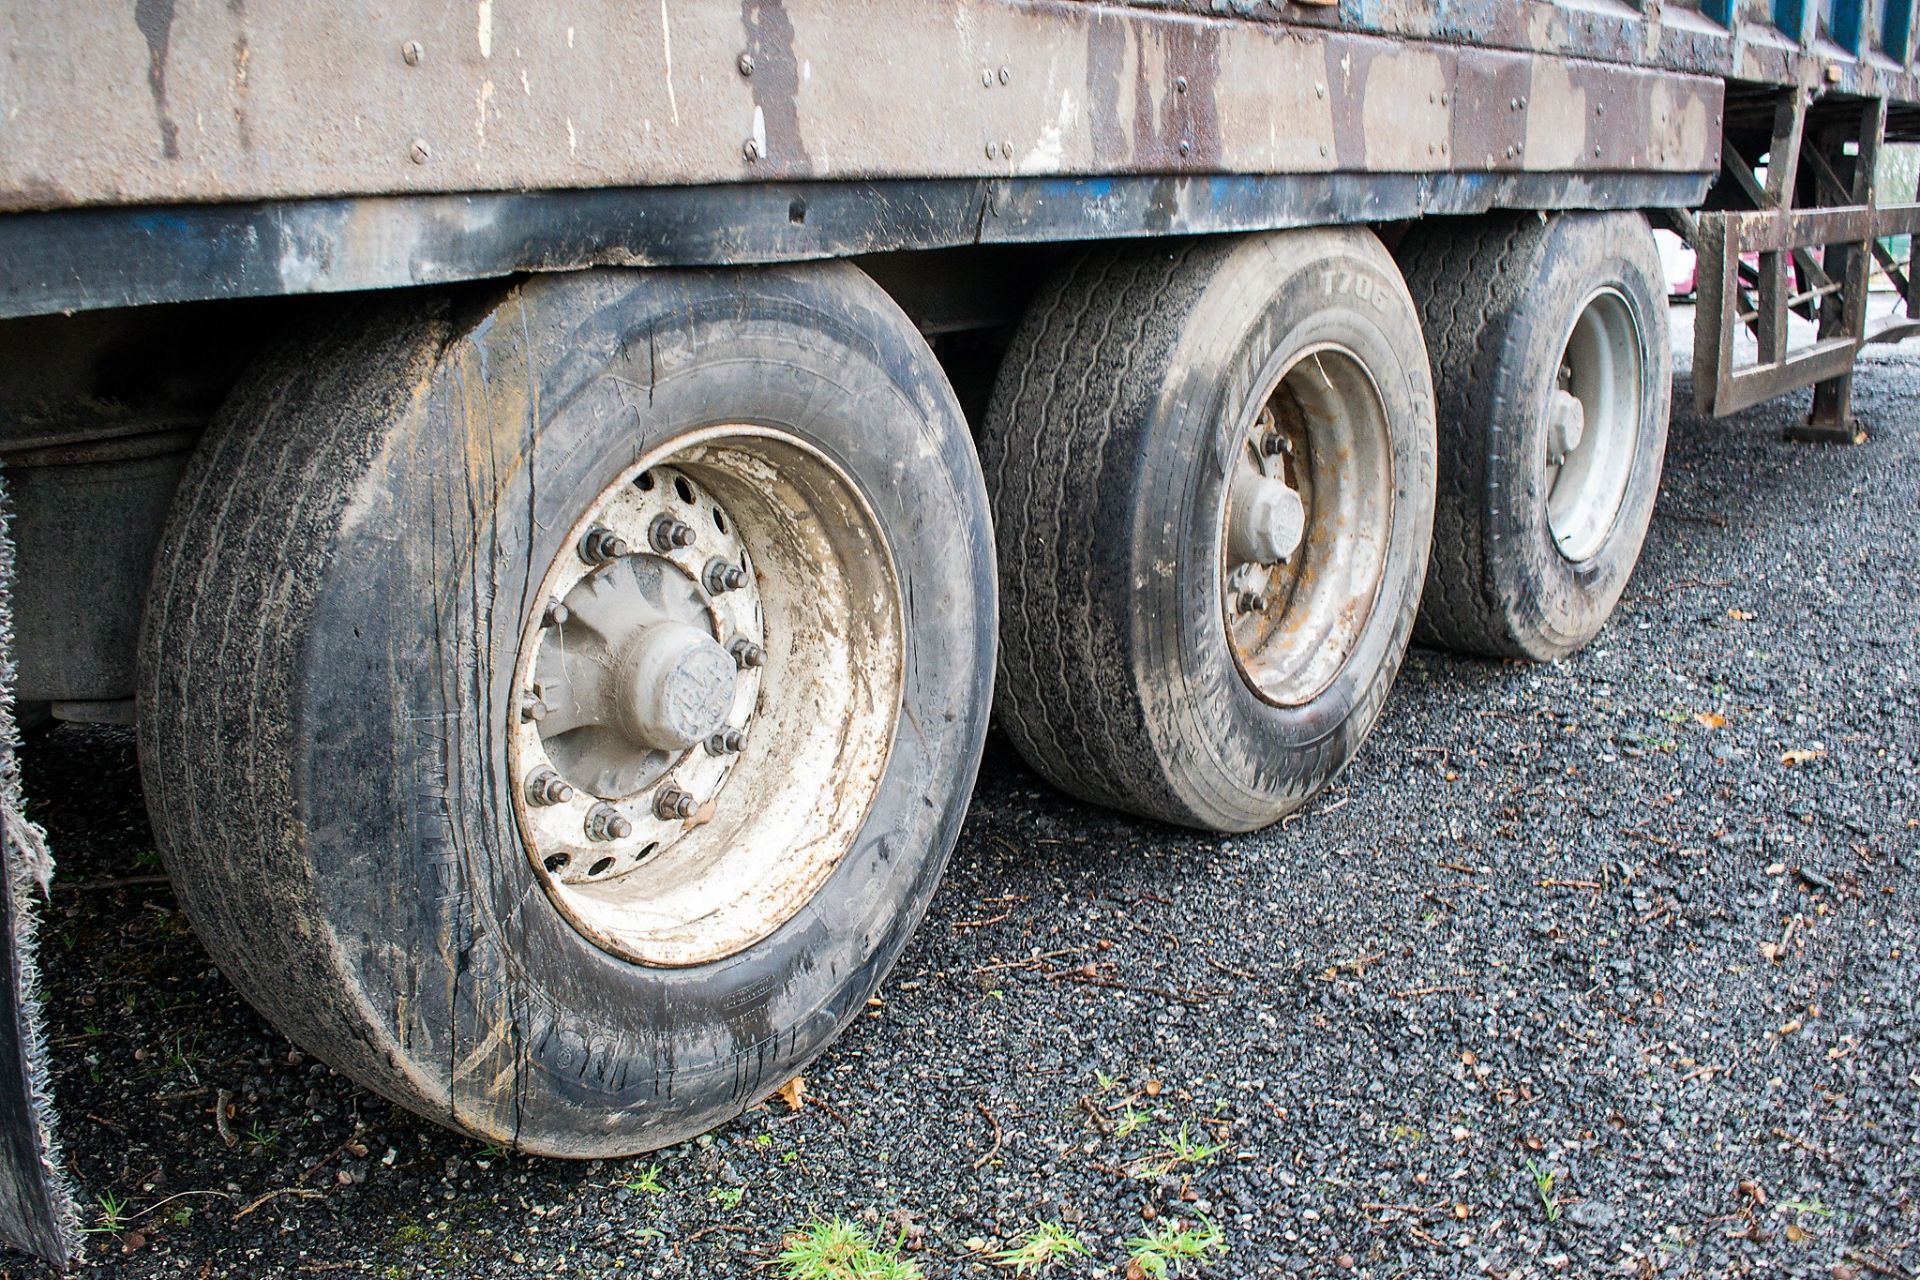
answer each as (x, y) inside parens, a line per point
(1107, 448)
(330, 640)
(1498, 297)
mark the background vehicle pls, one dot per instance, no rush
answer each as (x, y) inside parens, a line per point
(517, 471)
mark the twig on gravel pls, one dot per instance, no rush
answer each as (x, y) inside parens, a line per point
(303, 1193)
(178, 1195)
(105, 1123)
(1571, 884)
(221, 1102)
(814, 1099)
(1031, 962)
(1092, 980)
(332, 1155)
(1878, 1265)
(1415, 992)
(1801, 1143)
(1708, 1072)
(118, 882)
(958, 925)
(1229, 970)
(993, 1150)
(1461, 867)
(1093, 1114)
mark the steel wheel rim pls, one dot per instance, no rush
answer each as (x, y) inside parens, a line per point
(1294, 620)
(1593, 424)
(745, 777)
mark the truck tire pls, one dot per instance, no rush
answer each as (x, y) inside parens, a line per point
(559, 700)
(1548, 337)
(1211, 468)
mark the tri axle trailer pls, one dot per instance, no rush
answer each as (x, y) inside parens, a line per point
(556, 490)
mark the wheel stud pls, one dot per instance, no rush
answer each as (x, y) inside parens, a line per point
(1252, 601)
(668, 534)
(746, 653)
(726, 742)
(722, 576)
(607, 823)
(670, 802)
(555, 614)
(547, 787)
(1275, 444)
(601, 544)
(533, 709)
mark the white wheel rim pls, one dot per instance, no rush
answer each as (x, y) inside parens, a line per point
(1601, 370)
(669, 851)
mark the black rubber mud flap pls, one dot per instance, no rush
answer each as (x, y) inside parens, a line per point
(36, 1203)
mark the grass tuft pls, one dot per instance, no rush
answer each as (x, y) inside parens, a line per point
(840, 1250)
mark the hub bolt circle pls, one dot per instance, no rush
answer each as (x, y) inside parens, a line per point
(722, 576)
(726, 742)
(747, 653)
(547, 787)
(555, 614)
(533, 709)
(607, 823)
(670, 802)
(668, 534)
(601, 544)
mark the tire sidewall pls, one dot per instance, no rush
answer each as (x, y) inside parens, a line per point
(1242, 762)
(1556, 604)
(551, 1042)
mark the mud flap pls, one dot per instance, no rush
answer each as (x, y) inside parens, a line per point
(36, 1202)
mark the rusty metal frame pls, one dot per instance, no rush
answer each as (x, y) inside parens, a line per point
(1814, 261)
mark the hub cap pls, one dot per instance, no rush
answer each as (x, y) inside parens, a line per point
(1593, 425)
(706, 696)
(1309, 504)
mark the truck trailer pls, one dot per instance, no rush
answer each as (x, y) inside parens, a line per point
(557, 490)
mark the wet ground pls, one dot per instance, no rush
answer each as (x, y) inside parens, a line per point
(1600, 968)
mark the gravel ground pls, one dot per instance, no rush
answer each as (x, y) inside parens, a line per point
(1585, 920)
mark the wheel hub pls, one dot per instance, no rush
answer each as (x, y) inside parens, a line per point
(1310, 490)
(634, 679)
(708, 685)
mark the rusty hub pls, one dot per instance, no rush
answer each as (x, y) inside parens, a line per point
(1303, 546)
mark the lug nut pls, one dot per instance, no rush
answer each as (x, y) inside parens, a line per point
(602, 544)
(723, 576)
(555, 614)
(547, 787)
(608, 823)
(671, 802)
(667, 534)
(746, 653)
(533, 709)
(726, 742)
(1275, 444)
(1252, 601)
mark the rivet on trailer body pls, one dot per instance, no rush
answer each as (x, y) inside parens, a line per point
(751, 150)
(411, 53)
(745, 63)
(418, 151)
(1323, 148)
(1006, 150)
(993, 152)
(1319, 91)
(1179, 84)
(1185, 146)
(1006, 74)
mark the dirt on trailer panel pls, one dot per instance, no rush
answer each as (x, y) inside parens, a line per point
(1604, 967)
(165, 103)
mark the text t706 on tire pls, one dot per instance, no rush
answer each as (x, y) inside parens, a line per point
(560, 701)
(1211, 467)
(1548, 337)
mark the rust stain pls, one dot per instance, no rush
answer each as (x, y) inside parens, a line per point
(775, 84)
(155, 20)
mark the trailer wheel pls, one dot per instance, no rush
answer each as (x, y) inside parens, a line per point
(1211, 468)
(559, 701)
(1548, 337)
